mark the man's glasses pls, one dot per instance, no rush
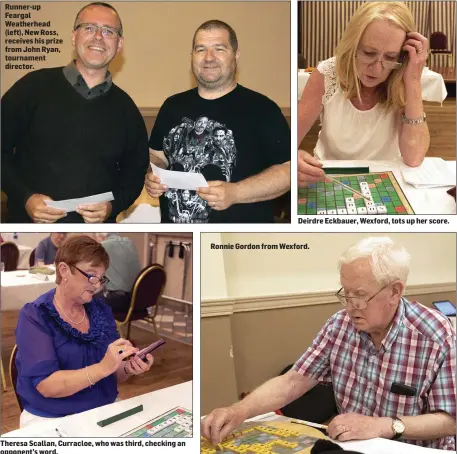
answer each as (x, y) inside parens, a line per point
(92, 278)
(370, 58)
(92, 29)
(357, 302)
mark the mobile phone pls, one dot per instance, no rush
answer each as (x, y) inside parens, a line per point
(150, 348)
(445, 307)
(402, 389)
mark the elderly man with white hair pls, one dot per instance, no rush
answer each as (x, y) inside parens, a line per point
(391, 361)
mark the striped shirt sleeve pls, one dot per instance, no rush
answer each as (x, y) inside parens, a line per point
(442, 395)
(315, 362)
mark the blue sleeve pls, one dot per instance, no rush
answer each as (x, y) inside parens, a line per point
(35, 345)
(40, 252)
(112, 332)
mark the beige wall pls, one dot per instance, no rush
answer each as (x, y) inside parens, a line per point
(262, 343)
(277, 272)
(213, 280)
(155, 62)
(179, 271)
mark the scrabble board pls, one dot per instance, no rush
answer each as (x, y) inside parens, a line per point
(326, 197)
(176, 423)
(266, 438)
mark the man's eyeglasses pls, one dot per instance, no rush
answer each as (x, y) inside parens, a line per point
(92, 29)
(370, 58)
(92, 278)
(357, 302)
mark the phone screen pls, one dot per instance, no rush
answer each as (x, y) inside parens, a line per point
(445, 307)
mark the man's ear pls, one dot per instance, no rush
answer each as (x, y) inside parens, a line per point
(398, 287)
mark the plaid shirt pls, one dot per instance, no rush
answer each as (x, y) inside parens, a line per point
(419, 351)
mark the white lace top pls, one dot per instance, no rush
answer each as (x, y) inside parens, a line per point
(349, 133)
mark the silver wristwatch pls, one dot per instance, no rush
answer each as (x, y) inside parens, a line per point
(398, 428)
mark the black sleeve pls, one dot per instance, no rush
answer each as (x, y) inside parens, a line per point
(274, 134)
(134, 162)
(159, 130)
(17, 106)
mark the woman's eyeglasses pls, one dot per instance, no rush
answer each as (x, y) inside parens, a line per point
(92, 278)
(370, 58)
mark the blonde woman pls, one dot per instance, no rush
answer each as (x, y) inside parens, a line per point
(369, 94)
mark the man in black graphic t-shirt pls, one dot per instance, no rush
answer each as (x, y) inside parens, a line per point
(237, 138)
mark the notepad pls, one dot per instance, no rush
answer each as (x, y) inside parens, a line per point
(433, 172)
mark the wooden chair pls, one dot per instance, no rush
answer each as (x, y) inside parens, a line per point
(13, 375)
(438, 44)
(147, 290)
(10, 255)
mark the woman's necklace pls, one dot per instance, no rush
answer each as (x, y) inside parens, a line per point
(72, 321)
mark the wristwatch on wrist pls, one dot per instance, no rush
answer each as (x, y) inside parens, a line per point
(398, 428)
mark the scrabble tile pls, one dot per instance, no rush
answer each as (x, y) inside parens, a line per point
(342, 211)
(372, 210)
(349, 200)
(381, 209)
(352, 210)
(331, 212)
(361, 210)
(321, 211)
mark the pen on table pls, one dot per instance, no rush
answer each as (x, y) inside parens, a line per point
(311, 424)
(347, 187)
(58, 433)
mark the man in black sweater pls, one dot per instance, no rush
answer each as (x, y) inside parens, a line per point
(69, 132)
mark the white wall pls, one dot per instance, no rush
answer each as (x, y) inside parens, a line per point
(272, 272)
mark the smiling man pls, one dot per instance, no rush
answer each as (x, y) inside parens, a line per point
(237, 138)
(71, 132)
(391, 361)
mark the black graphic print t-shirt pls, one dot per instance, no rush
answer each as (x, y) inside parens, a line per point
(226, 139)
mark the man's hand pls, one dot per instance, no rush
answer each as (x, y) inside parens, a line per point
(153, 186)
(40, 212)
(220, 422)
(219, 194)
(352, 426)
(95, 212)
(309, 169)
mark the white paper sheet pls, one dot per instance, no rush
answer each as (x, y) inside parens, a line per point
(383, 446)
(72, 204)
(433, 172)
(180, 180)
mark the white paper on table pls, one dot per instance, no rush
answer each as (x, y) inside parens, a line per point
(72, 204)
(383, 446)
(39, 276)
(180, 180)
(433, 172)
